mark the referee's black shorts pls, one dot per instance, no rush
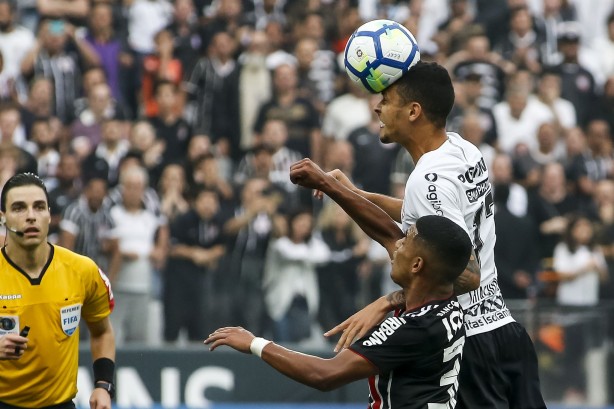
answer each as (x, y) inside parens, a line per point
(499, 371)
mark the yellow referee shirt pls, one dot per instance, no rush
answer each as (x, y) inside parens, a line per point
(70, 287)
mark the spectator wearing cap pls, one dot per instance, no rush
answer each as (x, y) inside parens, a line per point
(578, 84)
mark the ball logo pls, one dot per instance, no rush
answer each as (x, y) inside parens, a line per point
(359, 53)
(431, 177)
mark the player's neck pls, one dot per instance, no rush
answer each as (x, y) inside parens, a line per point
(420, 294)
(31, 260)
(424, 140)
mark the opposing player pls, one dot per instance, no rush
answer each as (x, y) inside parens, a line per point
(412, 359)
(450, 179)
(48, 289)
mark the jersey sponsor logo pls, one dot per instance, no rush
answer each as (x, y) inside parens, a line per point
(9, 324)
(70, 317)
(486, 291)
(473, 195)
(431, 177)
(433, 199)
(473, 172)
(487, 306)
(385, 330)
(9, 297)
(486, 319)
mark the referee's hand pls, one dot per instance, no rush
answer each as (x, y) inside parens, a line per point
(12, 346)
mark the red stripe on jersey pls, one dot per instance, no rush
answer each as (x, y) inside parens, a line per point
(107, 284)
(375, 396)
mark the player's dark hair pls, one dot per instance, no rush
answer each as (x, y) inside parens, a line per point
(18, 180)
(448, 243)
(430, 85)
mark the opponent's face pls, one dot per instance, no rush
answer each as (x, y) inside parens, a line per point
(405, 258)
(390, 111)
(27, 211)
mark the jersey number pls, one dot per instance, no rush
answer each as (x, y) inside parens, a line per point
(487, 207)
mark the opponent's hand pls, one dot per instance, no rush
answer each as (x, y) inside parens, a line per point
(100, 399)
(235, 337)
(12, 346)
(357, 326)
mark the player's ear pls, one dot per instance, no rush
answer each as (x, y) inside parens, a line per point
(414, 111)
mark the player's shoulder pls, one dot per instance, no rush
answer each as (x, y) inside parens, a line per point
(72, 259)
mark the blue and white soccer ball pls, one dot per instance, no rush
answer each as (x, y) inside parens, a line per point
(378, 53)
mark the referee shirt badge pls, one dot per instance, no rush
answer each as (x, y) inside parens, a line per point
(70, 317)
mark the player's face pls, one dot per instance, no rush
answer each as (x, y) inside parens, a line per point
(27, 211)
(404, 258)
(390, 111)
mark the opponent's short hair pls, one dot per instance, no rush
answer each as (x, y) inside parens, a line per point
(430, 85)
(18, 180)
(448, 244)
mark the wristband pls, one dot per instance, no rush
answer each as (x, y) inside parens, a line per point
(258, 345)
(104, 370)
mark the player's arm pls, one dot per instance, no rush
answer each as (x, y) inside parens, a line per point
(319, 373)
(102, 346)
(469, 280)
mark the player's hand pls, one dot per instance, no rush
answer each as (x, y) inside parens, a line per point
(358, 324)
(100, 399)
(340, 177)
(12, 346)
(307, 174)
(235, 337)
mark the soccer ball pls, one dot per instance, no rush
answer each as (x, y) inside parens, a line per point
(378, 53)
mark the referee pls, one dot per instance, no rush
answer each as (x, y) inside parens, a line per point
(47, 289)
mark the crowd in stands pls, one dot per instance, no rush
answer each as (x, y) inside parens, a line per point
(164, 132)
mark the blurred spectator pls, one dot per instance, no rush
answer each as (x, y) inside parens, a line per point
(213, 88)
(170, 128)
(112, 50)
(522, 46)
(87, 228)
(145, 19)
(172, 190)
(472, 130)
(553, 13)
(502, 173)
(515, 236)
(518, 118)
(290, 280)
(99, 107)
(594, 163)
(337, 124)
(250, 229)
(338, 279)
(15, 41)
(66, 191)
(468, 99)
(186, 38)
(143, 142)
(606, 107)
(299, 114)
(254, 85)
(373, 159)
(528, 163)
(580, 266)
(476, 57)
(549, 206)
(105, 158)
(39, 103)
(160, 66)
(257, 163)
(549, 93)
(603, 48)
(61, 56)
(142, 250)
(197, 245)
(578, 84)
(604, 202)
(46, 151)
(12, 129)
(449, 32)
(207, 173)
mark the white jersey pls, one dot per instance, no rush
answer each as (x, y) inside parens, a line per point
(452, 181)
